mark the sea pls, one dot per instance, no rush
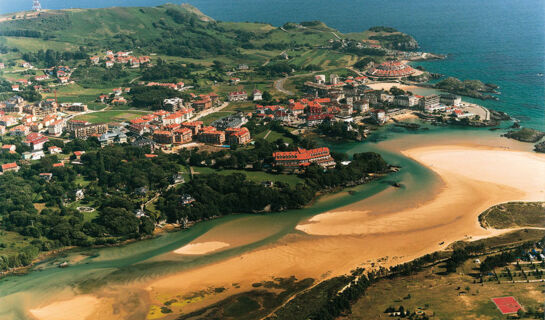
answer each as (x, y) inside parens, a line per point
(500, 41)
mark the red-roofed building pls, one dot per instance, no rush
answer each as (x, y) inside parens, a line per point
(149, 155)
(238, 96)
(8, 147)
(78, 154)
(303, 158)
(58, 165)
(211, 135)
(194, 126)
(182, 135)
(163, 137)
(237, 135)
(54, 150)
(10, 167)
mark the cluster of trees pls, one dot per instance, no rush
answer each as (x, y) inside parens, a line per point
(340, 130)
(50, 58)
(364, 62)
(93, 76)
(153, 96)
(397, 41)
(218, 195)
(113, 173)
(164, 70)
(352, 48)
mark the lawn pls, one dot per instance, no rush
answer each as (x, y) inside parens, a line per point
(12, 242)
(111, 115)
(273, 136)
(256, 176)
(35, 44)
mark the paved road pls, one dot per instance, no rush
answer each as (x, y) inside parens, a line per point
(279, 85)
(210, 111)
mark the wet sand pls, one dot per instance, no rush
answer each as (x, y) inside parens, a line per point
(80, 307)
(472, 179)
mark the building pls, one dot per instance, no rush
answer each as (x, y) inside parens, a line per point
(211, 135)
(302, 158)
(182, 135)
(9, 148)
(55, 128)
(10, 167)
(361, 105)
(238, 96)
(194, 126)
(112, 137)
(173, 104)
(450, 100)
(258, 95)
(406, 101)
(231, 121)
(7, 121)
(379, 116)
(429, 103)
(163, 137)
(35, 141)
(391, 70)
(202, 104)
(54, 150)
(90, 129)
(237, 136)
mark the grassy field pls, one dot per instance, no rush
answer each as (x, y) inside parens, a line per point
(109, 116)
(257, 176)
(273, 136)
(12, 242)
(35, 44)
(514, 214)
(455, 296)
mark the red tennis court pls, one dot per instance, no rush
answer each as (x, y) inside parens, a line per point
(507, 304)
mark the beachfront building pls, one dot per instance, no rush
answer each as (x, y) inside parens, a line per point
(302, 158)
(429, 103)
(379, 116)
(406, 101)
(450, 100)
(391, 70)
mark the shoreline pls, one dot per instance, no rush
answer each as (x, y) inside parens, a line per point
(324, 256)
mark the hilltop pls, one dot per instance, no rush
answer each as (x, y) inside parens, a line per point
(184, 31)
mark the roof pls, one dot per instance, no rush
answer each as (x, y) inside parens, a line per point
(8, 166)
(301, 154)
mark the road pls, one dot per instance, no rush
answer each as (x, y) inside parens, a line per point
(279, 86)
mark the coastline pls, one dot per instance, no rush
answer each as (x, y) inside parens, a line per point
(376, 238)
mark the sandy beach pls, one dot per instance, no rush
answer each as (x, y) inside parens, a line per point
(201, 248)
(472, 178)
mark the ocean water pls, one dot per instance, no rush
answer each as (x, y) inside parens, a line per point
(500, 41)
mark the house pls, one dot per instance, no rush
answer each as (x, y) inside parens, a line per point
(302, 158)
(186, 199)
(7, 121)
(177, 178)
(2, 65)
(231, 121)
(54, 150)
(234, 81)
(10, 167)
(115, 136)
(80, 194)
(78, 154)
(238, 96)
(109, 64)
(95, 59)
(117, 91)
(243, 67)
(34, 155)
(41, 78)
(46, 175)
(9, 148)
(237, 136)
(58, 165)
(258, 95)
(15, 88)
(202, 104)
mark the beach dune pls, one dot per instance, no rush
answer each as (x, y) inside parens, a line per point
(201, 248)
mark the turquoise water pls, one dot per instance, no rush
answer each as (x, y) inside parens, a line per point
(151, 258)
(500, 41)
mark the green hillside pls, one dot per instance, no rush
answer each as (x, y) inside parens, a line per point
(169, 30)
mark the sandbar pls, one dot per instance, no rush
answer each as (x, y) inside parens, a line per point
(201, 248)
